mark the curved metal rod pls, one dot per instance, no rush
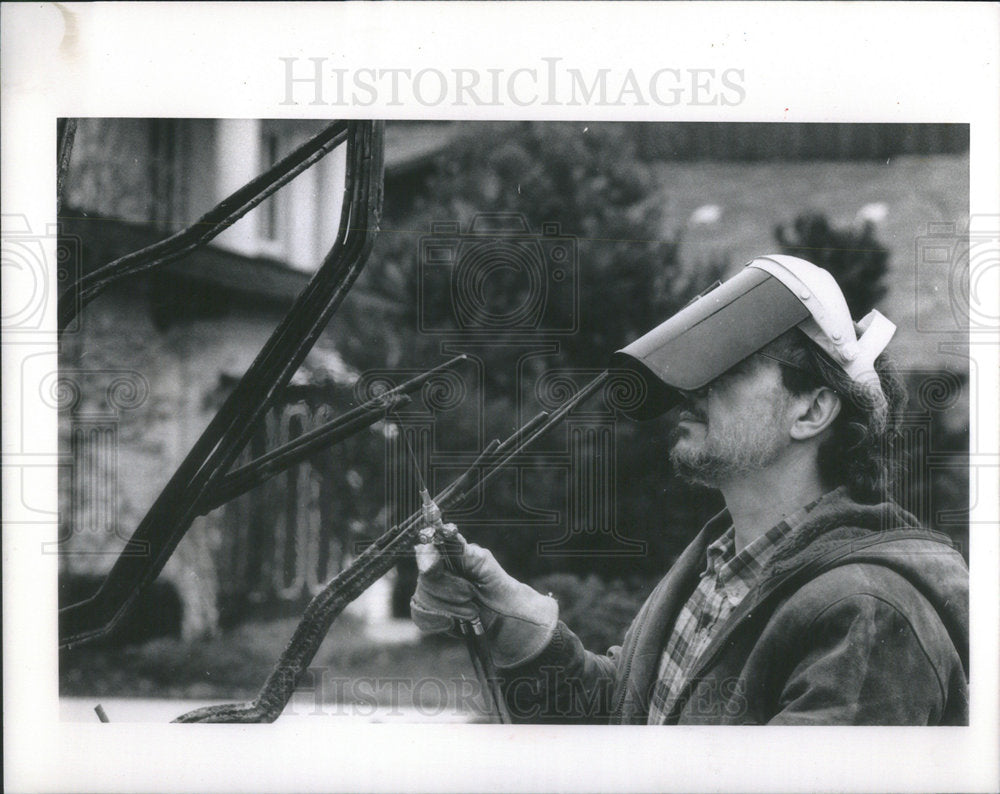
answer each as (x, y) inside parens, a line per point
(158, 534)
(208, 226)
(372, 564)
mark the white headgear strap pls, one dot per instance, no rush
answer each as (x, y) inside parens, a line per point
(830, 325)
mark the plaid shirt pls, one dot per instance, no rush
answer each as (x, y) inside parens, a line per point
(727, 578)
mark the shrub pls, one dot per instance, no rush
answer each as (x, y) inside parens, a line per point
(598, 612)
(853, 256)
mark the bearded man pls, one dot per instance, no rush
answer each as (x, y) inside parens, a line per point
(812, 598)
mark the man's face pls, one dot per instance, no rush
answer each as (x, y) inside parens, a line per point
(733, 426)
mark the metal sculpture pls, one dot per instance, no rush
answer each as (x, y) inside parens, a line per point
(204, 481)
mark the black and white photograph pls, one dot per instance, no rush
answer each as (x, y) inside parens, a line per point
(560, 413)
(481, 295)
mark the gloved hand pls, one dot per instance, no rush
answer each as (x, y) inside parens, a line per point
(519, 621)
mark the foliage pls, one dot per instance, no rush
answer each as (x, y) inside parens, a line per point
(587, 182)
(933, 449)
(854, 257)
(584, 178)
(597, 612)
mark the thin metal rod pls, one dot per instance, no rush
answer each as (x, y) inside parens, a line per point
(522, 432)
(490, 676)
(488, 457)
(459, 482)
(493, 452)
(471, 630)
(372, 564)
(475, 640)
(208, 226)
(452, 550)
(541, 427)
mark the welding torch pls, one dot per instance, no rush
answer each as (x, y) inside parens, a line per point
(452, 548)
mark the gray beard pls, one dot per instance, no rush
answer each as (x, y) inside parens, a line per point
(713, 464)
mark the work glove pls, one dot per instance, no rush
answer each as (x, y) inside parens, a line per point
(518, 620)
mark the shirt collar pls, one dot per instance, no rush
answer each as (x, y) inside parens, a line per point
(721, 558)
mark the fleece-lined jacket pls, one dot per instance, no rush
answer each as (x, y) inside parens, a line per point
(861, 617)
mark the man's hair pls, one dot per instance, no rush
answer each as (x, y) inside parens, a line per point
(859, 449)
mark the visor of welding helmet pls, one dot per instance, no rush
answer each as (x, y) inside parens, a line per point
(708, 337)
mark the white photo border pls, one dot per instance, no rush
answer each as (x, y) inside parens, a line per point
(886, 62)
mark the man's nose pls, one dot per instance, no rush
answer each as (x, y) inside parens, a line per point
(694, 395)
(694, 401)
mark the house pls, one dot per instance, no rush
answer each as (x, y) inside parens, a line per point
(148, 362)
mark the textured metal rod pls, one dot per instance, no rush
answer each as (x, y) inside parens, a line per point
(452, 549)
(539, 426)
(372, 564)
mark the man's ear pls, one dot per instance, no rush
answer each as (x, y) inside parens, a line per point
(815, 412)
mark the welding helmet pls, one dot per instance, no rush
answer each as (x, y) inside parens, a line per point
(735, 319)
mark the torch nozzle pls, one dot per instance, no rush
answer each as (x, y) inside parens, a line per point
(432, 513)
